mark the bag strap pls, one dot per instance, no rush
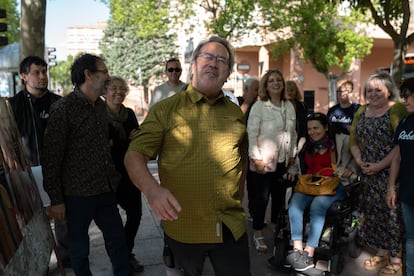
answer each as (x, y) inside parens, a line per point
(333, 158)
(333, 162)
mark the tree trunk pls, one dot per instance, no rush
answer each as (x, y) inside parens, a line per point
(32, 35)
(332, 79)
(397, 62)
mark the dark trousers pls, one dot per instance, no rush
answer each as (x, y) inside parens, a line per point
(251, 189)
(269, 184)
(103, 210)
(230, 258)
(129, 198)
(62, 239)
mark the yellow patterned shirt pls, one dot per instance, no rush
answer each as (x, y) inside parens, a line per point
(201, 149)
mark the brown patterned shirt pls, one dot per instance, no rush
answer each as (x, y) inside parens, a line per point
(76, 156)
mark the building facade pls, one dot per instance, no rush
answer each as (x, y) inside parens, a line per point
(253, 59)
(84, 38)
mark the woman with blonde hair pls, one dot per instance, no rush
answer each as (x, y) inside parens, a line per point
(293, 94)
(371, 144)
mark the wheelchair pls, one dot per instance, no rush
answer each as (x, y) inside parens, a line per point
(340, 230)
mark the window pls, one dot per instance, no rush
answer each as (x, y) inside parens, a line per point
(309, 98)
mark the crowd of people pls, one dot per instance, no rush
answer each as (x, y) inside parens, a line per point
(94, 156)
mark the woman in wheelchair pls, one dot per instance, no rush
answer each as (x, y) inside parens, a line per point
(318, 155)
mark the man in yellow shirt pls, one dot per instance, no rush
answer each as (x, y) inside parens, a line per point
(200, 138)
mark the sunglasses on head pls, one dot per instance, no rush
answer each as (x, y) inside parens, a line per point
(178, 70)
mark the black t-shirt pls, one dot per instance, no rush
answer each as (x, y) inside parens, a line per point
(341, 118)
(404, 137)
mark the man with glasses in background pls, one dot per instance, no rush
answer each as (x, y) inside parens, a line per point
(79, 174)
(201, 140)
(172, 85)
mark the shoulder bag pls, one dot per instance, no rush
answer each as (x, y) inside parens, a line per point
(316, 184)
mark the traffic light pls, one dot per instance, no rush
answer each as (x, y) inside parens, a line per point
(51, 57)
(3, 28)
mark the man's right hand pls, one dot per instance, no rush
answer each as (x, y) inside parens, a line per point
(163, 203)
(58, 211)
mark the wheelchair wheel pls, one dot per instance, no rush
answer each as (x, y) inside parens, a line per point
(354, 249)
(336, 264)
(280, 251)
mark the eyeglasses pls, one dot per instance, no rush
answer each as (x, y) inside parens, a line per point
(177, 70)
(210, 57)
(106, 72)
(121, 89)
(342, 91)
(315, 116)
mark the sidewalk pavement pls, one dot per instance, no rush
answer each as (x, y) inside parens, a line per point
(149, 246)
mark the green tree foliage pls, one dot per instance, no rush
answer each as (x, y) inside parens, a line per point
(151, 17)
(393, 17)
(12, 20)
(228, 18)
(60, 79)
(317, 30)
(134, 57)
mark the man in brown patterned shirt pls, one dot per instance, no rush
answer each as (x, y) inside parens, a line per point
(78, 171)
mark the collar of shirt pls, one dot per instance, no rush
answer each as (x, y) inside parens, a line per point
(196, 96)
(82, 97)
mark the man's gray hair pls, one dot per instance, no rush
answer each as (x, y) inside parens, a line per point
(249, 81)
(220, 40)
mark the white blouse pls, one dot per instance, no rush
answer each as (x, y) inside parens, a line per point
(272, 132)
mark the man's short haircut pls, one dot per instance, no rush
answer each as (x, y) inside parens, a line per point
(407, 88)
(82, 63)
(220, 40)
(171, 60)
(28, 61)
(345, 82)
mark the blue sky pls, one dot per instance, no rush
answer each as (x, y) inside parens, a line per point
(61, 14)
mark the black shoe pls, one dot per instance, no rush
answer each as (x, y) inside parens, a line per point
(135, 265)
(304, 262)
(291, 258)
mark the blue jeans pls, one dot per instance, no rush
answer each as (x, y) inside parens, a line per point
(318, 207)
(80, 212)
(408, 216)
